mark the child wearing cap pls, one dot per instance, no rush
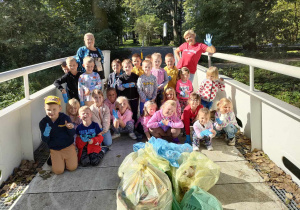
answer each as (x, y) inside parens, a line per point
(58, 132)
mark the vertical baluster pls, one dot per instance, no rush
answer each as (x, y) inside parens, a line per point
(26, 86)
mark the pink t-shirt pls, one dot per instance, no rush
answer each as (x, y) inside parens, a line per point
(183, 87)
(191, 55)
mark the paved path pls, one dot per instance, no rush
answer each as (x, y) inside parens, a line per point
(239, 187)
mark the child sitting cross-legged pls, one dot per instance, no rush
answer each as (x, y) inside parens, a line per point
(58, 132)
(122, 119)
(226, 121)
(141, 125)
(165, 122)
(89, 139)
(203, 130)
(189, 115)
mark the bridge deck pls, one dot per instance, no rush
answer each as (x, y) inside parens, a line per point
(239, 186)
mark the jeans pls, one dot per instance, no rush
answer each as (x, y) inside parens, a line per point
(142, 107)
(192, 77)
(127, 129)
(230, 131)
(206, 104)
(107, 140)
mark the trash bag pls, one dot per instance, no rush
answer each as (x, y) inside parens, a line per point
(144, 187)
(137, 146)
(195, 170)
(196, 198)
(169, 151)
(128, 160)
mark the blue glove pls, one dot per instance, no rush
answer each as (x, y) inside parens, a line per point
(161, 124)
(115, 114)
(147, 99)
(188, 139)
(84, 138)
(65, 96)
(131, 84)
(205, 133)
(208, 39)
(126, 85)
(219, 121)
(81, 103)
(47, 130)
(169, 78)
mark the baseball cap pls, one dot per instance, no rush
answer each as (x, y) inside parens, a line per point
(52, 99)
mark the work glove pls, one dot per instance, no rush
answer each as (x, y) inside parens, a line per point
(219, 121)
(115, 114)
(81, 103)
(47, 130)
(169, 78)
(126, 85)
(205, 133)
(65, 96)
(208, 39)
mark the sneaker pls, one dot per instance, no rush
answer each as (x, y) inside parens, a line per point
(209, 148)
(115, 135)
(231, 142)
(132, 135)
(195, 148)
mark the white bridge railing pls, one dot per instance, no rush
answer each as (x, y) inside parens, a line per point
(19, 123)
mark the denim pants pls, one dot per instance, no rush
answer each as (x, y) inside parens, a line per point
(107, 141)
(192, 77)
(230, 131)
(206, 104)
(127, 129)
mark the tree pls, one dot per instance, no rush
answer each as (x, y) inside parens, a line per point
(147, 26)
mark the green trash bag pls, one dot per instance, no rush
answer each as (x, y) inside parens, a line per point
(195, 170)
(144, 187)
(198, 199)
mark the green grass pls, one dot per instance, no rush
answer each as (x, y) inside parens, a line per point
(129, 44)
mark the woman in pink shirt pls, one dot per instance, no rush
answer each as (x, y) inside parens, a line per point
(165, 122)
(191, 51)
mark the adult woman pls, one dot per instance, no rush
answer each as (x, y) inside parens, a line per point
(90, 50)
(191, 52)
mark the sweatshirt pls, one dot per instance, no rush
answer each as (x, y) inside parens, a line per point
(60, 137)
(198, 128)
(147, 87)
(175, 121)
(188, 117)
(229, 118)
(208, 89)
(130, 93)
(161, 76)
(101, 115)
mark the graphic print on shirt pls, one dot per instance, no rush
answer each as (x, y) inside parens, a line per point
(89, 133)
(184, 88)
(190, 51)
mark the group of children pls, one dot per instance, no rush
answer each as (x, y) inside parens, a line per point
(164, 97)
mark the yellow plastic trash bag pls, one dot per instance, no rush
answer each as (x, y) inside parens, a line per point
(144, 187)
(126, 163)
(195, 170)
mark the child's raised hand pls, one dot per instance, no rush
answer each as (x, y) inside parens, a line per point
(91, 141)
(65, 96)
(47, 130)
(69, 125)
(115, 114)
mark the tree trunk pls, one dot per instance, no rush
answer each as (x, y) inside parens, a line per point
(174, 21)
(100, 16)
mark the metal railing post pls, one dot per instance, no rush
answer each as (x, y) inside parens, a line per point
(251, 78)
(209, 60)
(26, 86)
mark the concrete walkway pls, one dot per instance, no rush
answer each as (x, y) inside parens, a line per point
(239, 187)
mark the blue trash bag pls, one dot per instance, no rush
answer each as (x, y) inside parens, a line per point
(139, 145)
(169, 151)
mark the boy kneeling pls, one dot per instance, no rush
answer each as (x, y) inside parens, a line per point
(58, 132)
(88, 140)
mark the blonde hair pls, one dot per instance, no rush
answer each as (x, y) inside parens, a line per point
(88, 59)
(147, 62)
(223, 102)
(122, 98)
(204, 111)
(83, 108)
(126, 61)
(71, 103)
(70, 59)
(214, 71)
(146, 105)
(189, 32)
(169, 55)
(171, 103)
(89, 34)
(174, 94)
(97, 92)
(156, 55)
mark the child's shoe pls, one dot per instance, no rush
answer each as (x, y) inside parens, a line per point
(231, 142)
(49, 162)
(209, 148)
(132, 135)
(195, 148)
(176, 140)
(115, 135)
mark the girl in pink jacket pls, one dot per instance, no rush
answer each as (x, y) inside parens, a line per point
(165, 122)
